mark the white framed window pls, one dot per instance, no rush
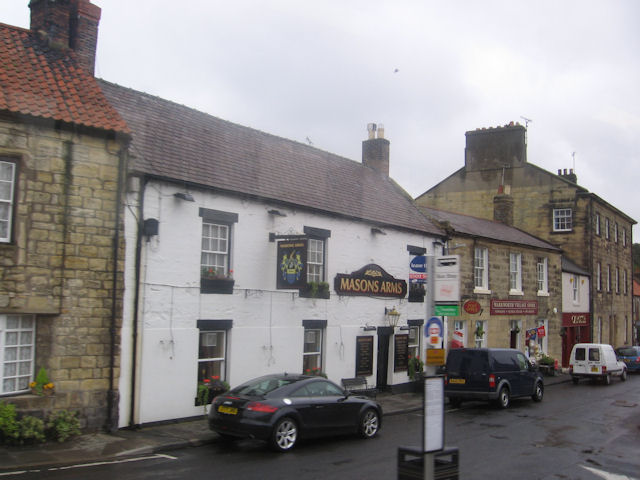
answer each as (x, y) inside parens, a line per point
(413, 346)
(7, 189)
(481, 269)
(624, 237)
(212, 351)
(562, 220)
(597, 223)
(624, 282)
(617, 280)
(315, 260)
(606, 228)
(480, 334)
(575, 289)
(17, 352)
(542, 271)
(598, 276)
(615, 232)
(215, 250)
(515, 273)
(312, 351)
(608, 278)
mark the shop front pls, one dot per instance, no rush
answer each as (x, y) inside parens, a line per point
(575, 329)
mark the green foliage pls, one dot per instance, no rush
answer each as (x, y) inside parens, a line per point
(28, 430)
(9, 427)
(318, 289)
(42, 378)
(416, 366)
(62, 425)
(31, 430)
(42, 385)
(546, 360)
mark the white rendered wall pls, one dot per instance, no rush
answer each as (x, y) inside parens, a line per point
(568, 305)
(267, 332)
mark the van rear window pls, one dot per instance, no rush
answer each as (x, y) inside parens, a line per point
(580, 354)
(594, 354)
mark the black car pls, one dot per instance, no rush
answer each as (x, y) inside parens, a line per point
(492, 374)
(281, 409)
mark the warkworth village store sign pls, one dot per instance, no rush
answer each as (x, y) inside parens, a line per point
(371, 281)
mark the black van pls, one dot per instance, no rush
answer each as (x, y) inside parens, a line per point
(492, 374)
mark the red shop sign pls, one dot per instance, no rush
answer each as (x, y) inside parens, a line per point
(472, 307)
(576, 319)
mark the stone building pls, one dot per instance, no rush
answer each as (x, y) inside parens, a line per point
(62, 160)
(510, 287)
(593, 234)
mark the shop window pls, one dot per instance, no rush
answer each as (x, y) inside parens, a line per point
(562, 220)
(17, 352)
(542, 340)
(7, 193)
(480, 334)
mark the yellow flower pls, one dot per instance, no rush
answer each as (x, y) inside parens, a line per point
(32, 385)
(49, 385)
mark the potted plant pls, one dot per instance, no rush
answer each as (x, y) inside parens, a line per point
(42, 385)
(315, 290)
(415, 369)
(479, 332)
(315, 371)
(208, 389)
(215, 280)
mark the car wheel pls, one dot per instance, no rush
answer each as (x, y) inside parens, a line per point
(455, 402)
(623, 377)
(504, 398)
(575, 380)
(369, 423)
(607, 379)
(285, 435)
(538, 392)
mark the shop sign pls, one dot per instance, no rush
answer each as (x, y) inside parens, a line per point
(514, 307)
(447, 279)
(433, 332)
(541, 331)
(447, 310)
(435, 357)
(472, 307)
(418, 266)
(292, 264)
(575, 319)
(370, 281)
(364, 356)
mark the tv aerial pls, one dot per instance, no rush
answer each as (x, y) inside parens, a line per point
(527, 121)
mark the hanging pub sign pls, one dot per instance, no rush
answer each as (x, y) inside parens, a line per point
(292, 264)
(370, 281)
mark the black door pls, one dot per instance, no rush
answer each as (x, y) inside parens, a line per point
(384, 336)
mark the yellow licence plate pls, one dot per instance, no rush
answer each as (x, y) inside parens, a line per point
(461, 381)
(594, 369)
(228, 410)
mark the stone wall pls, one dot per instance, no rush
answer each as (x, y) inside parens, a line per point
(60, 265)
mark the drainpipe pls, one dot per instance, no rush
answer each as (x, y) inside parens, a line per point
(113, 394)
(136, 304)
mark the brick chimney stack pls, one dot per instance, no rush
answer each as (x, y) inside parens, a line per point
(68, 24)
(375, 150)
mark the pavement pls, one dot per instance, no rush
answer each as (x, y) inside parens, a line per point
(160, 438)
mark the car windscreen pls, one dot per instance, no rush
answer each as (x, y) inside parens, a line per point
(627, 352)
(463, 362)
(261, 387)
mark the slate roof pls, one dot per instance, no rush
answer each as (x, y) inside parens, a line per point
(44, 82)
(178, 143)
(489, 229)
(570, 267)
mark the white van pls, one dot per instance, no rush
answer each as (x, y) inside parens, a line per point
(595, 360)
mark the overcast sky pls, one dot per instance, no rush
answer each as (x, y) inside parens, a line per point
(429, 71)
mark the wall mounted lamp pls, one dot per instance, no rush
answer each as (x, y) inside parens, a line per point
(392, 316)
(186, 196)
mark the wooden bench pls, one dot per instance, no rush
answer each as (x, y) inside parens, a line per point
(358, 385)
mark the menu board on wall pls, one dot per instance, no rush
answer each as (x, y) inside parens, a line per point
(364, 356)
(401, 352)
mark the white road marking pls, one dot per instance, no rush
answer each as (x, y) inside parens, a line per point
(94, 464)
(608, 475)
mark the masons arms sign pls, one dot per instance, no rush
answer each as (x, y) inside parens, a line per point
(370, 281)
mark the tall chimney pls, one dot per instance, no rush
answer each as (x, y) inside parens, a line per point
(503, 208)
(68, 24)
(375, 151)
